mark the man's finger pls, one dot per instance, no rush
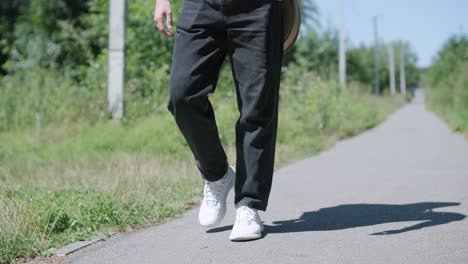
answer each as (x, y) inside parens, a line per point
(169, 19)
(156, 16)
(160, 23)
(167, 33)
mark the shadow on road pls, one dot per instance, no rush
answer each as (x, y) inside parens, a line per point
(359, 215)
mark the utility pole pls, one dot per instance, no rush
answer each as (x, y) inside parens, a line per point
(342, 57)
(376, 64)
(402, 71)
(391, 69)
(116, 74)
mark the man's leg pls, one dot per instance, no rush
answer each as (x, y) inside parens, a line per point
(255, 46)
(199, 51)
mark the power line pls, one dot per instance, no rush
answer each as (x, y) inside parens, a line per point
(391, 68)
(376, 65)
(402, 71)
(342, 56)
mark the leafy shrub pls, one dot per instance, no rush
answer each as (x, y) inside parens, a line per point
(448, 82)
(36, 98)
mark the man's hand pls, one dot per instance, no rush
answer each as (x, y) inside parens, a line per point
(163, 12)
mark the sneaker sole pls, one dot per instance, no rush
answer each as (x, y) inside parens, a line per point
(246, 238)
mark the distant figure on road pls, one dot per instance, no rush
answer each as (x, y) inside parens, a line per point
(413, 90)
(251, 34)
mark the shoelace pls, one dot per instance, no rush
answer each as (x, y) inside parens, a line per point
(245, 213)
(213, 190)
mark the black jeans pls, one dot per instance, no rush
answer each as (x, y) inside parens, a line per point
(250, 32)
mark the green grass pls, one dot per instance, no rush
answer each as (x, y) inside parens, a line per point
(41, 220)
(447, 82)
(65, 181)
(449, 99)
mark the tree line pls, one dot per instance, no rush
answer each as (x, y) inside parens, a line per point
(41, 39)
(71, 33)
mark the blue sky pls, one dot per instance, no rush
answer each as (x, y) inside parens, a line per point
(426, 24)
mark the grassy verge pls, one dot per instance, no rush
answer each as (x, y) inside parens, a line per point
(447, 80)
(449, 99)
(67, 181)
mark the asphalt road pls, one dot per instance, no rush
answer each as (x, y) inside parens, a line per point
(394, 194)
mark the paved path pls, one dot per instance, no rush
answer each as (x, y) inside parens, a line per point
(395, 194)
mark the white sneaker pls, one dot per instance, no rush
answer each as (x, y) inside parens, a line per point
(247, 226)
(213, 206)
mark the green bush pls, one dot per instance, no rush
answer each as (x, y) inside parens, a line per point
(36, 98)
(448, 83)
